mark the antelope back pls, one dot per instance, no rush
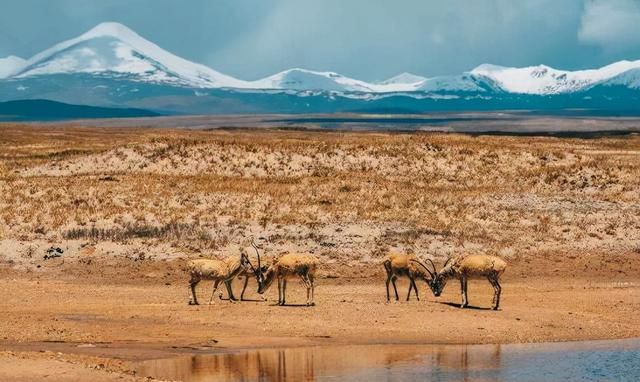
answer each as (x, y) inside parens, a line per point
(209, 268)
(299, 264)
(480, 265)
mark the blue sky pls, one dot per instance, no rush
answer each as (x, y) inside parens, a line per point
(367, 39)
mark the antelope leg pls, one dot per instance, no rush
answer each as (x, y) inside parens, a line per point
(284, 291)
(232, 298)
(193, 300)
(313, 287)
(215, 288)
(307, 283)
(395, 289)
(463, 286)
(410, 287)
(246, 281)
(493, 284)
(496, 294)
(415, 289)
(388, 281)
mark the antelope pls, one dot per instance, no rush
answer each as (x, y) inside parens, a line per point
(247, 272)
(401, 265)
(287, 267)
(217, 271)
(468, 267)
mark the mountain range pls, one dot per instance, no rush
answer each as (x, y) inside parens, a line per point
(112, 66)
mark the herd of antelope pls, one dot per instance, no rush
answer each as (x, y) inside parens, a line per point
(303, 267)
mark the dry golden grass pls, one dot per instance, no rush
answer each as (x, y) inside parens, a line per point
(348, 196)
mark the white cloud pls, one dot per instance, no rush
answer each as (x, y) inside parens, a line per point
(613, 25)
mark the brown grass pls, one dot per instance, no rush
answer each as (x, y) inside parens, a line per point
(350, 195)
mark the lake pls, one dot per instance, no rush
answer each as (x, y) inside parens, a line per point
(615, 360)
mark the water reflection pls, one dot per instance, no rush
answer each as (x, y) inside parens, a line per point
(543, 362)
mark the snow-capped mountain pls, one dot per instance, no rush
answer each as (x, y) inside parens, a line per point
(544, 80)
(302, 79)
(535, 80)
(10, 65)
(113, 49)
(112, 66)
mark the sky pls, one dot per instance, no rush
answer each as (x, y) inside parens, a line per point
(366, 39)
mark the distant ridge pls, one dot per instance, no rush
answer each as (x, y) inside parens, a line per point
(45, 110)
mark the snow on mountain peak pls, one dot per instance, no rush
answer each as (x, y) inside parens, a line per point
(111, 29)
(114, 48)
(10, 65)
(403, 78)
(542, 79)
(303, 79)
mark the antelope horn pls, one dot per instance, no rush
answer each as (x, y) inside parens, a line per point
(425, 267)
(244, 256)
(447, 262)
(257, 253)
(433, 265)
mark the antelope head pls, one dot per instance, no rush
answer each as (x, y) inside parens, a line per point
(437, 285)
(264, 275)
(260, 271)
(437, 282)
(442, 277)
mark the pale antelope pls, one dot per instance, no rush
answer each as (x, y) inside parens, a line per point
(468, 267)
(287, 267)
(400, 265)
(217, 271)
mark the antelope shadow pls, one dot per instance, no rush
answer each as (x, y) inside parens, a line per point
(457, 305)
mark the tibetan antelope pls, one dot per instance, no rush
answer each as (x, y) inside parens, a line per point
(217, 271)
(287, 267)
(247, 272)
(468, 267)
(400, 265)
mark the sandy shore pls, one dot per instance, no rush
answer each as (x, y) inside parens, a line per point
(97, 326)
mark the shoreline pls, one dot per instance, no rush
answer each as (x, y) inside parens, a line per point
(116, 366)
(163, 351)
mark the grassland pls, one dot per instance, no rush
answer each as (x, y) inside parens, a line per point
(349, 197)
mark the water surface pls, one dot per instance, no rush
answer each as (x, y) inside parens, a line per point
(617, 360)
